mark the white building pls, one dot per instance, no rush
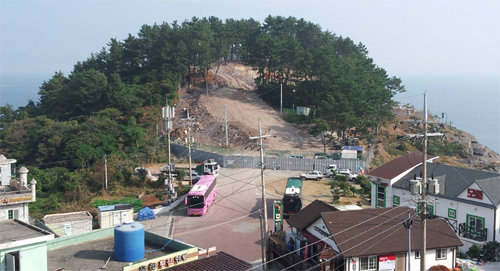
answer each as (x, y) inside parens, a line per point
(15, 194)
(66, 224)
(369, 239)
(468, 199)
(114, 215)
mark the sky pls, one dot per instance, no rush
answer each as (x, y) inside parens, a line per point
(444, 39)
(38, 38)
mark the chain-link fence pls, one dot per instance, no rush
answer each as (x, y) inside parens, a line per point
(283, 163)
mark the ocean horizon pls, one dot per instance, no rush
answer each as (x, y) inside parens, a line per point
(471, 104)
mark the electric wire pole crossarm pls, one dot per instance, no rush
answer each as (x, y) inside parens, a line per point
(264, 203)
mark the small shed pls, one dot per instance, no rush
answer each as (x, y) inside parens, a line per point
(66, 224)
(349, 154)
(301, 110)
(113, 215)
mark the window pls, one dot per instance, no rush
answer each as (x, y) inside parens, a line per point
(417, 254)
(13, 214)
(368, 263)
(452, 213)
(380, 201)
(475, 223)
(441, 254)
(395, 200)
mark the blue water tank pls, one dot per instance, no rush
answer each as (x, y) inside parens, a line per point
(129, 242)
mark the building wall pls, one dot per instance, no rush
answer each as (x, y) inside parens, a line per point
(22, 210)
(75, 227)
(319, 230)
(443, 206)
(32, 257)
(430, 260)
(107, 218)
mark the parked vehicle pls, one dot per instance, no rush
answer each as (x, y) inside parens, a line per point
(347, 172)
(194, 174)
(330, 171)
(292, 197)
(298, 156)
(209, 167)
(312, 175)
(201, 196)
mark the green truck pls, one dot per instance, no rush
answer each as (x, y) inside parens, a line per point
(292, 197)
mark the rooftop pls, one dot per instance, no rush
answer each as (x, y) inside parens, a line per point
(219, 261)
(93, 255)
(399, 165)
(454, 180)
(310, 214)
(382, 231)
(20, 233)
(64, 217)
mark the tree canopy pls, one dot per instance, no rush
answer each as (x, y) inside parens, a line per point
(102, 106)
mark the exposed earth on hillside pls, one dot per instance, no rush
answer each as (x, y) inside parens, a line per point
(233, 87)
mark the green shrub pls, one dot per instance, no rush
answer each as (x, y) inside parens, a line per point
(182, 190)
(474, 252)
(491, 251)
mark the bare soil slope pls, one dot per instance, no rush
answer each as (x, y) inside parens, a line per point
(234, 88)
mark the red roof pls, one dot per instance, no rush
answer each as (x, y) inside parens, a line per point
(310, 214)
(380, 231)
(399, 165)
(219, 261)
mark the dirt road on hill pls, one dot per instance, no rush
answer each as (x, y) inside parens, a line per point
(235, 89)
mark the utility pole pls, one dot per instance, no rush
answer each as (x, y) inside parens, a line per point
(189, 141)
(423, 202)
(225, 125)
(264, 203)
(423, 207)
(105, 172)
(168, 113)
(407, 224)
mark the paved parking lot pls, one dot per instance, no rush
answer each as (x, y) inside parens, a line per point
(232, 223)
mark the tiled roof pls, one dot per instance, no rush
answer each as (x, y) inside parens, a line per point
(399, 165)
(491, 186)
(219, 261)
(454, 180)
(380, 231)
(310, 214)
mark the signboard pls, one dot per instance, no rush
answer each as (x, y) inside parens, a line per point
(163, 262)
(475, 194)
(386, 262)
(277, 215)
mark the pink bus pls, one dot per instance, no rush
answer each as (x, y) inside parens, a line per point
(201, 195)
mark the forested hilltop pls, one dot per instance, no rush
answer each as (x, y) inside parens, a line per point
(109, 103)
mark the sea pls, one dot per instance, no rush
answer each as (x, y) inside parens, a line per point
(469, 103)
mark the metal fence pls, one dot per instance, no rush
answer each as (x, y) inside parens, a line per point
(278, 163)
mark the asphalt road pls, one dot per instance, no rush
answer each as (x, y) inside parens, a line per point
(232, 223)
